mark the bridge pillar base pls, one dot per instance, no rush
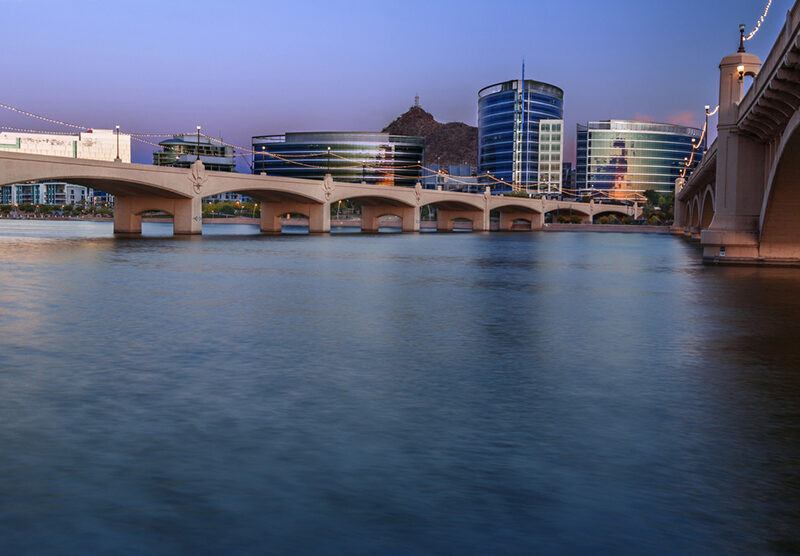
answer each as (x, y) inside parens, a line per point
(188, 217)
(507, 221)
(729, 246)
(371, 213)
(319, 216)
(187, 214)
(446, 218)
(126, 221)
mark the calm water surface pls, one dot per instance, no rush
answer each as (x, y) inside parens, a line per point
(372, 394)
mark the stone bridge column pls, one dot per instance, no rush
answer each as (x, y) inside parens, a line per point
(740, 170)
(319, 216)
(126, 221)
(679, 209)
(187, 217)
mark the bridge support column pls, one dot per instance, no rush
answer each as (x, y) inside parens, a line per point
(126, 221)
(446, 218)
(740, 181)
(371, 213)
(507, 220)
(319, 216)
(188, 217)
(411, 219)
(187, 214)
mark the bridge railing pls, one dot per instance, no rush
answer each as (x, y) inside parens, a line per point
(773, 60)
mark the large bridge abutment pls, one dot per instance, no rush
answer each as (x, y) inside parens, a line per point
(187, 214)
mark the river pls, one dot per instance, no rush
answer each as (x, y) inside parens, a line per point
(553, 393)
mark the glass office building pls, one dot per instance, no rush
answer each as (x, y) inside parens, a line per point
(625, 158)
(375, 158)
(182, 150)
(509, 115)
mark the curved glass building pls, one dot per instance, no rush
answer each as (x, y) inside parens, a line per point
(625, 158)
(509, 119)
(376, 158)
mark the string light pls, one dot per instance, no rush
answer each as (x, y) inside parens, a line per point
(760, 21)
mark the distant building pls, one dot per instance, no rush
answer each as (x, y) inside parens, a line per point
(44, 193)
(182, 150)
(568, 179)
(375, 158)
(459, 177)
(625, 158)
(510, 116)
(93, 144)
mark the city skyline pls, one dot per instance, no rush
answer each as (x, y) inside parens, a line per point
(260, 69)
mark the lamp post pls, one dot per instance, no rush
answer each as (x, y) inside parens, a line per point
(705, 136)
(198, 143)
(329, 160)
(118, 158)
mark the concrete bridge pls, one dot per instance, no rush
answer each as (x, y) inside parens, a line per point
(743, 201)
(140, 188)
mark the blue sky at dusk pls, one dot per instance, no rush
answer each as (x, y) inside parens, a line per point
(252, 68)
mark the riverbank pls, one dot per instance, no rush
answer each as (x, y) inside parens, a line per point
(606, 228)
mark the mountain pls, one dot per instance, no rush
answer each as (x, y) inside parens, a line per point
(448, 144)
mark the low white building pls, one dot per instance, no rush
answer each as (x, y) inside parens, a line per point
(44, 193)
(94, 144)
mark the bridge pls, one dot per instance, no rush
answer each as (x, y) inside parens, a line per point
(140, 188)
(743, 201)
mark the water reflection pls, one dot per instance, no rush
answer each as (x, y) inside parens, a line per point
(444, 393)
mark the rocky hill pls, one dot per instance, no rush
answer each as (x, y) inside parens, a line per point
(450, 143)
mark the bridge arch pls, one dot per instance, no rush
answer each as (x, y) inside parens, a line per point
(375, 206)
(708, 208)
(117, 187)
(695, 221)
(779, 223)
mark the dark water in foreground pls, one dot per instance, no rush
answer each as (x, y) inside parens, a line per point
(432, 393)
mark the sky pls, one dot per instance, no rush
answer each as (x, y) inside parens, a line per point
(244, 68)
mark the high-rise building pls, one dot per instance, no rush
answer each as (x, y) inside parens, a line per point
(182, 150)
(623, 158)
(510, 117)
(375, 158)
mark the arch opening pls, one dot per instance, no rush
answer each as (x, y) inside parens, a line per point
(780, 218)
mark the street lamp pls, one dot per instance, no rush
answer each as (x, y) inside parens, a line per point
(117, 159)
(329, 160)
(198, 142)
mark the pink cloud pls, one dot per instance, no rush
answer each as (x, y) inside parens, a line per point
(687, 118)
(644, 118)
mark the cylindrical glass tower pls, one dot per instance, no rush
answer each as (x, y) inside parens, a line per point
(624, 158)
(508, 130)
(375, 158)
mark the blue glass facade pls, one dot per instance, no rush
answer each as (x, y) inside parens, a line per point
(508, 130)
(624, 158)
(375, 158)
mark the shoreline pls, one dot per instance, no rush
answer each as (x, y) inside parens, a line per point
(356, 223)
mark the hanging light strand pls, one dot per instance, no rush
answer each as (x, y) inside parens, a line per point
(760, 21)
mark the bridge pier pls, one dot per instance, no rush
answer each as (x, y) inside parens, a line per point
(446, 218)
(507, 219)
(371, 213)
(187, 214)
(319, 216)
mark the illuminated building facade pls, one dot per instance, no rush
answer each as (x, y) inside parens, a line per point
(509, 116)
(624, 158)
(375, 158)
(182, 150)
